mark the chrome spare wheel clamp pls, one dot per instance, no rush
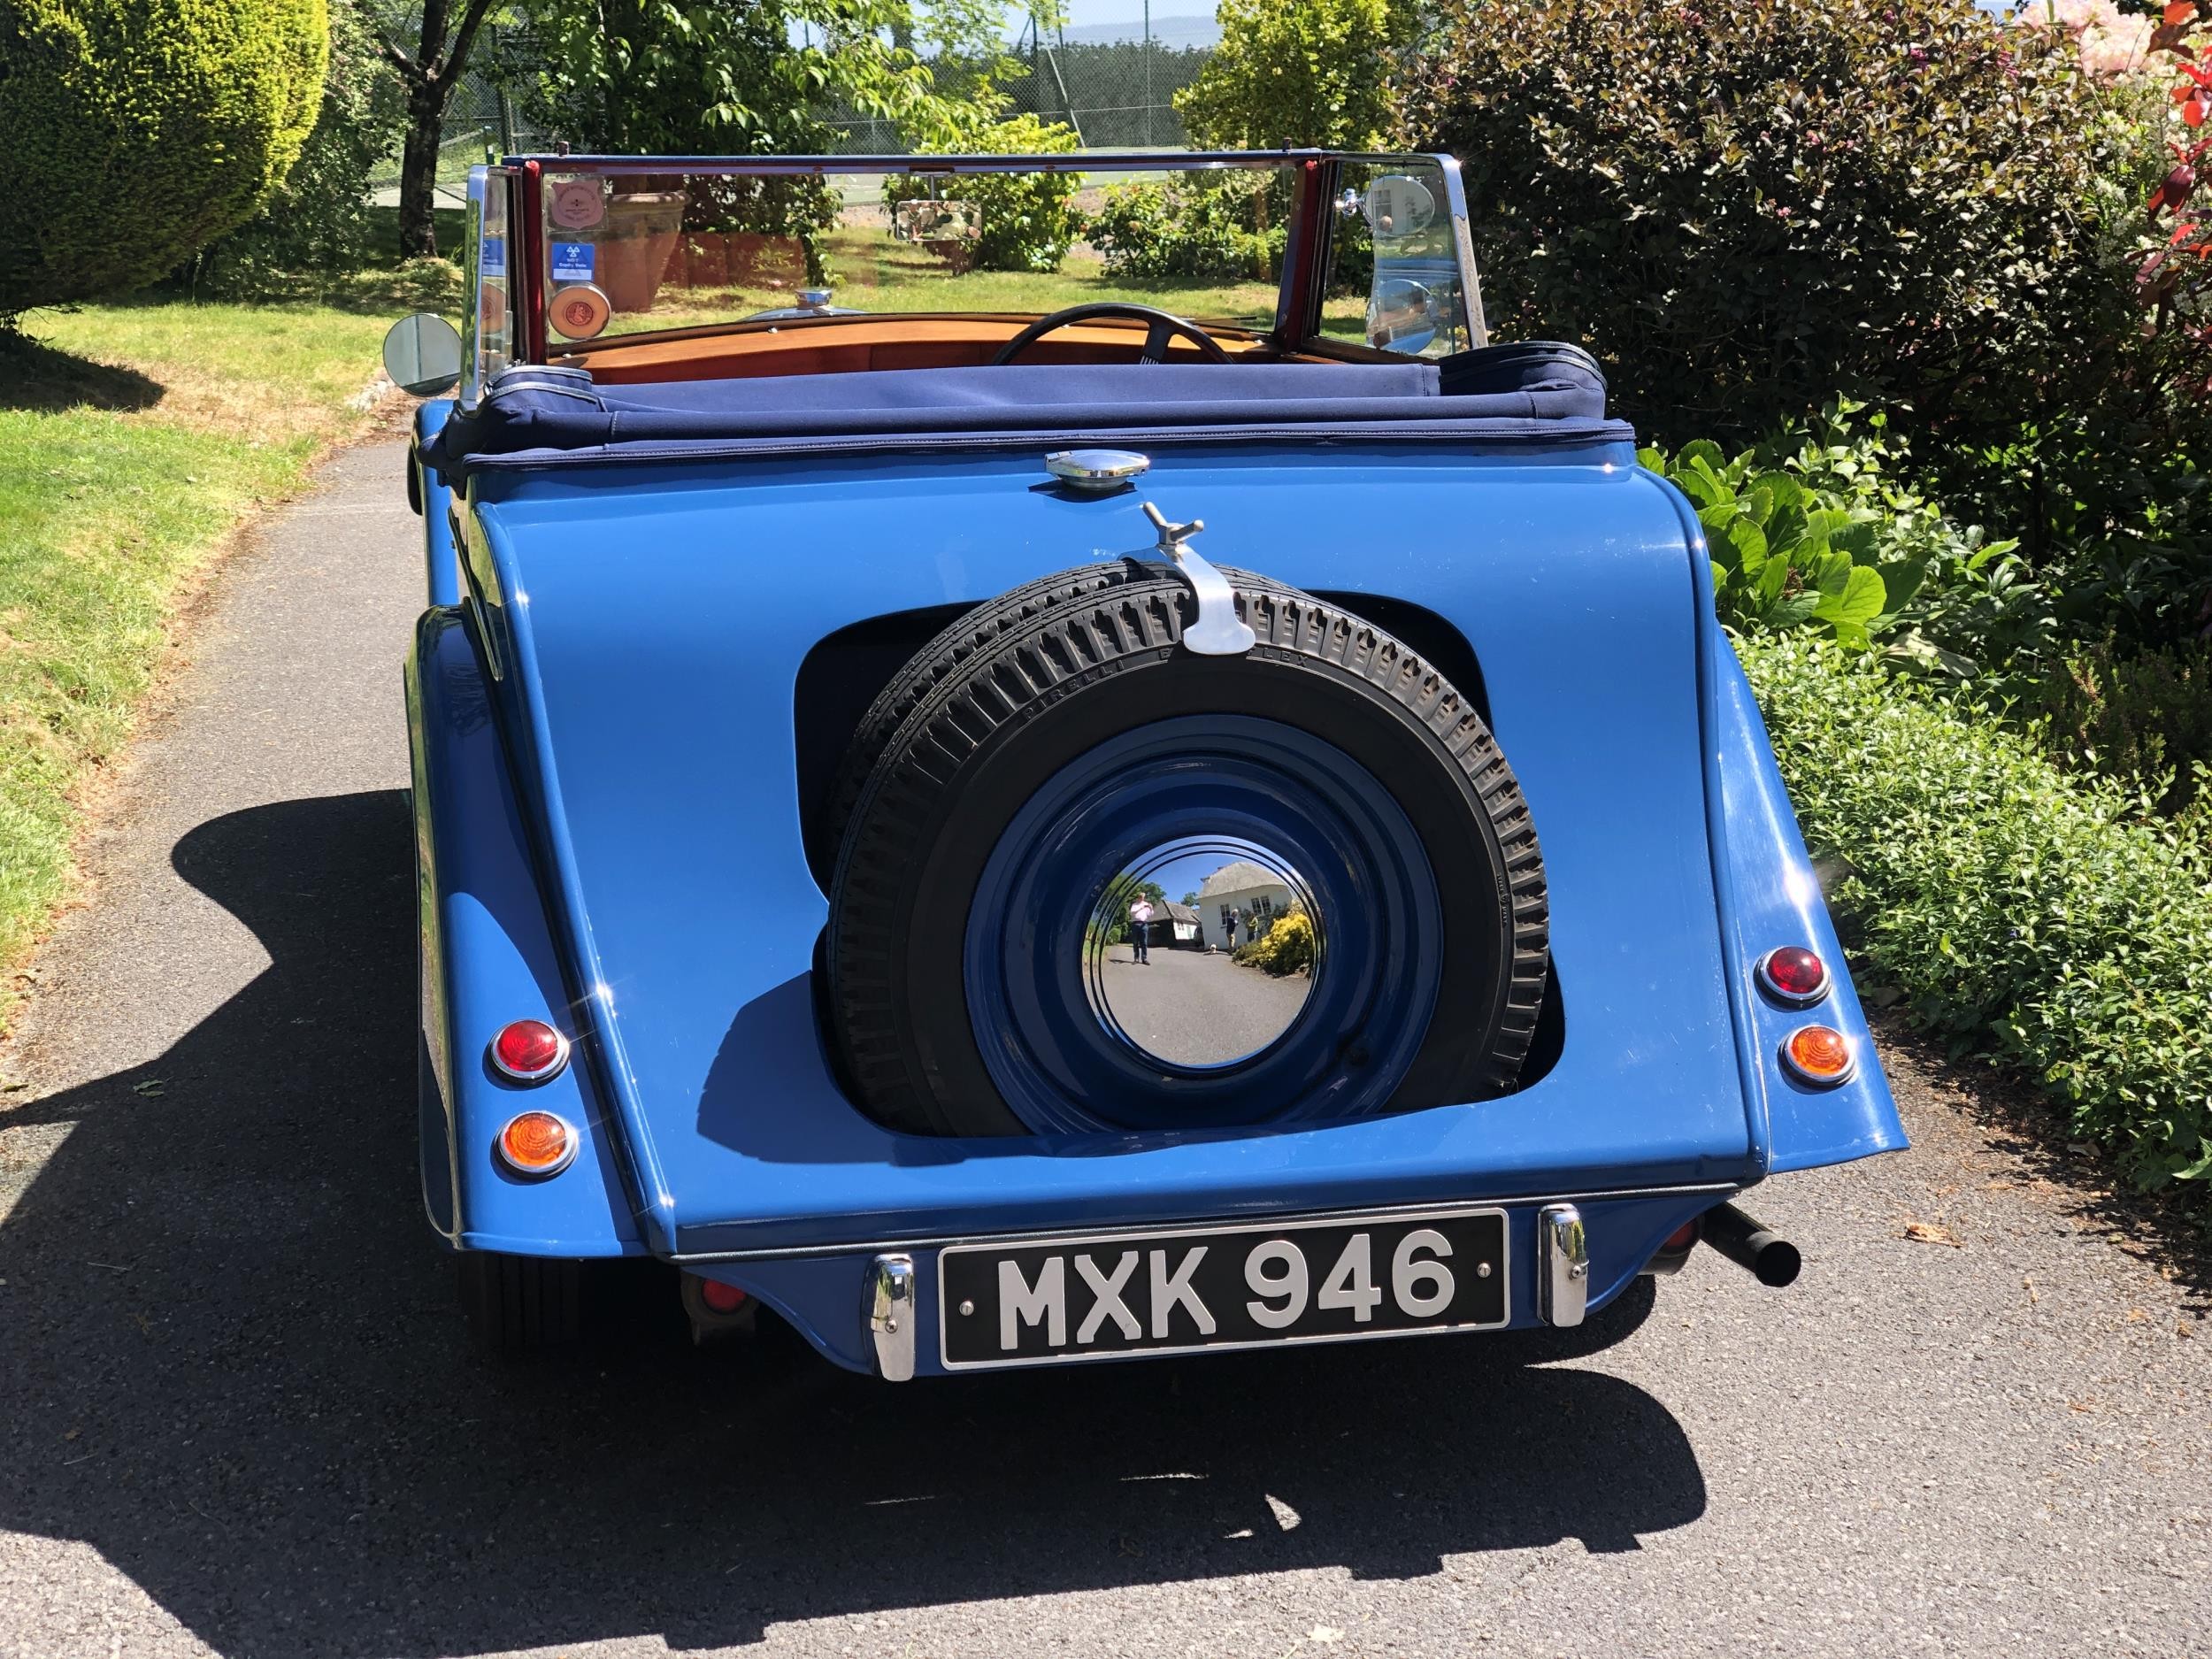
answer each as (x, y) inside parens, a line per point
(1219, 630)
(888, 1310)
(1563, 1265)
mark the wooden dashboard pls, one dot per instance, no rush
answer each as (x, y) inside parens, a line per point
(828, 345)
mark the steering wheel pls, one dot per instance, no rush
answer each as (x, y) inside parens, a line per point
(1159, 326)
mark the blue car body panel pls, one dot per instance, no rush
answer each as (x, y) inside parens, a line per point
(433, 498)
(644, 628)
(489, 957)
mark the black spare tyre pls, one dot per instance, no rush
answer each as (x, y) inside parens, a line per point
(1005, 951)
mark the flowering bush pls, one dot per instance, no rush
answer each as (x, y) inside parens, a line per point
(1285, 948)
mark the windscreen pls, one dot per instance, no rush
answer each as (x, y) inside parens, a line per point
(628, 251)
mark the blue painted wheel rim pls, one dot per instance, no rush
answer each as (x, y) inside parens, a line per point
(1232, 779)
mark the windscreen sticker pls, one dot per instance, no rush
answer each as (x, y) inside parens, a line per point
(495, 260)
(572, 262)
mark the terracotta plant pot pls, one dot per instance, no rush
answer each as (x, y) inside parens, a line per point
(634, 245)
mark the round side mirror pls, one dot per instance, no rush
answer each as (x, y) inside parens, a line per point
(1398, 206)
(422, 354)
(1403, 315)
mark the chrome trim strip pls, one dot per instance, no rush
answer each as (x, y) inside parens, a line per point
(890, 1314)
(925, 166)
(1259, 1218)
(1263, 1224)
(1563, 1265)
(1463, 242)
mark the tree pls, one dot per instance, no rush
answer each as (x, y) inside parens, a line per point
(133, 133)
(445, 36)
(1294, 72)
(320, 219)
(674, 77)
(665, 77)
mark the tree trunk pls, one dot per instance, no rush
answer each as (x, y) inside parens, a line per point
(419, 170)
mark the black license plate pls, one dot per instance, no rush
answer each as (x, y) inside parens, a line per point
(1330, 1280)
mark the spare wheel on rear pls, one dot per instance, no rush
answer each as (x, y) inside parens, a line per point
(1056, 760)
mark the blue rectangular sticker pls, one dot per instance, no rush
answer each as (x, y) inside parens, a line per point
(572, 262)
(494, 259)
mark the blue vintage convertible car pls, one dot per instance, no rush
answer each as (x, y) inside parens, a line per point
(1010, 834)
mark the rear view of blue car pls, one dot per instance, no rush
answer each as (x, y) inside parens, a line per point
(1018, 837)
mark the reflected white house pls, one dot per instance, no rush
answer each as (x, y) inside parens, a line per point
(1254, 893)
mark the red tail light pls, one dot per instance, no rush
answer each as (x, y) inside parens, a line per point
(720, 1297)
(1794, 976)
(528, 1051)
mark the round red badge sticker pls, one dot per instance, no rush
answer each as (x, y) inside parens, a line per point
(578, 204)
(579, 310)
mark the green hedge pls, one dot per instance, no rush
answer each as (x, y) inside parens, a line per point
(2033, 916)
(133, 133)
(1744, 209)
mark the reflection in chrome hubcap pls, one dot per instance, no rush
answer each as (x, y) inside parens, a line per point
(1202, 952)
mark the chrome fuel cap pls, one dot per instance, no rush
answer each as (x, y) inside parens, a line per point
(1099, 470)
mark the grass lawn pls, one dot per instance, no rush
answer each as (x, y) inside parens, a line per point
(134, 439)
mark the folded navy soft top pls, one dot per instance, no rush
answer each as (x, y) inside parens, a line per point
(546, 411)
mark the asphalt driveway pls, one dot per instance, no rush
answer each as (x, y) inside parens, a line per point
(1196, 1007)
(236, 1416)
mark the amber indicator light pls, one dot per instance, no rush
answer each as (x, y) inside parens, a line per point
(1818, 1054)
(537, 1143)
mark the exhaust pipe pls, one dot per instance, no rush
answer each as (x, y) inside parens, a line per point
(1750, 1243)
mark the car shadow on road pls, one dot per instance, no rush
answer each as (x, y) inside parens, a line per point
(232, 1367)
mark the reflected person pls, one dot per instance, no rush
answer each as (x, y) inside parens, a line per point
(1141, 927)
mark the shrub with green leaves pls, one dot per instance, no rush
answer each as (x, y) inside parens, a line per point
(1187, 230)
(1801, 528)
(2142, 718)
(2031, 917)
(1745, 208)
(133, 133)
(1029, 220)
(1783, 554)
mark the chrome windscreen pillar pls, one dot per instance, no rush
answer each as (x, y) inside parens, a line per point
(890, 1312)
(1563, 1265)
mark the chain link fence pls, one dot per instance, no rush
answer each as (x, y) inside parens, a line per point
(1116, 93)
